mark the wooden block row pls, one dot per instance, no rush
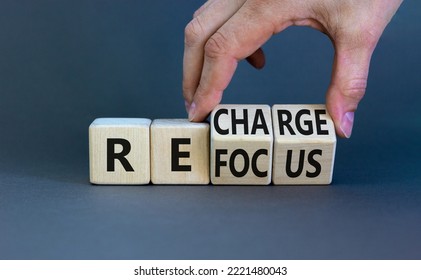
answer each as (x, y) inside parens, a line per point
(244, 145)
(120, 151)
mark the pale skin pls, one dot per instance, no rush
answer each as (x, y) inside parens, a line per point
(224, 32)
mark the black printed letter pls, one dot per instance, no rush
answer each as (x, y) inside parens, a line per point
(112, 155)
(176, 154)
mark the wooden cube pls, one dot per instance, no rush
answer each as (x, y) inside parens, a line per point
(241, 145)
(179, 152)
(305, 143)
(119, 151)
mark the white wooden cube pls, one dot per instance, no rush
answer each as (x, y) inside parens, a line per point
(305, 143)
(241, 145)
(179, 152)
(119, 151)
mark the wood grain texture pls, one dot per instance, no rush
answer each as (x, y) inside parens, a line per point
(304, 145)
(179, 152)
(241, 145)
(108, 138)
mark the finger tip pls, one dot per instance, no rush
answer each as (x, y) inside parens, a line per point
(341, 113)
(192, 112)
(187, 105)
(346, 125)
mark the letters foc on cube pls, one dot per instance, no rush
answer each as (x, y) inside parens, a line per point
(304, 145)
(241, 145)
(119, 151)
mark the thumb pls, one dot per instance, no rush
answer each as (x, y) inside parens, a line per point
(348, 85)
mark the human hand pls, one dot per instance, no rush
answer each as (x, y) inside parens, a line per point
(223, 32)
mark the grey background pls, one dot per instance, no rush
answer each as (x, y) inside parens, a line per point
(65, 63)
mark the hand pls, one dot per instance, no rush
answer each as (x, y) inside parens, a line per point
(223, 32)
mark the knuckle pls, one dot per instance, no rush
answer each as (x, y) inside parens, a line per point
(194, 33)
(363, 37)
(197, 12)
(216, 46)
(355, 89)
(369, 37)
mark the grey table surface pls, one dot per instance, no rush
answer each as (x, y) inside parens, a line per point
(65, 63)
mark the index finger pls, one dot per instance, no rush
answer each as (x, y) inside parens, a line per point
(243, 34)
(206, 22)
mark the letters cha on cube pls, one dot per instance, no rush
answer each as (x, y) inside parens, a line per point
(243, 145)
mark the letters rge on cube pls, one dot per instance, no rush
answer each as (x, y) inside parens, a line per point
(304, 147)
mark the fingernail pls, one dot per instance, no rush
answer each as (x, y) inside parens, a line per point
(347, 123)
(192, 111)
(187, 104)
